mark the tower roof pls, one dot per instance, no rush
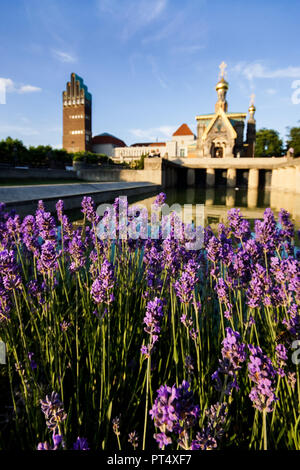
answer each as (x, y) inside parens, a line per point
(106, 138)
(222, 84)
(183, 130)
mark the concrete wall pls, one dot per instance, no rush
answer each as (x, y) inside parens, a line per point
(156, 170)
(35, 173)
(225, 163)
(286, 179)
(151, 173)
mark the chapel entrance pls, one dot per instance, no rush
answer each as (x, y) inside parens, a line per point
(218, 152)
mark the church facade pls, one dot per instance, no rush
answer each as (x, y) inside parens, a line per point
(221, 134)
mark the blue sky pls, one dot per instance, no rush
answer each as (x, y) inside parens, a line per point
(150, 64)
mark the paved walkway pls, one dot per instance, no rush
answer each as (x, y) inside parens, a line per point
(15, 194)
(24, 199)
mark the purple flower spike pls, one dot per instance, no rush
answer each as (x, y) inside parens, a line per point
(88, 210)
(160, 199)
(53, 410)
(81, 443)
(173, 411)
(101, 289)
(233, 356)
(262, 373)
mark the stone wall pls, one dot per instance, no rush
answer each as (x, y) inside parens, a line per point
(35, 173)
(152, 173)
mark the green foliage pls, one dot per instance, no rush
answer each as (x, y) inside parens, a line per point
(79, 157)
(268, 143)
(91, 158)
(293, 140)
(139, 165)
(13, 151)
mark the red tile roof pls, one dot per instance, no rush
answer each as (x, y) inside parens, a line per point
(141, 144)
(183, 130)
(148, 144)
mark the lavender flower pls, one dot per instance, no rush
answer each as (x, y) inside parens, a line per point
(160, 199)
(5, 306)
(30, 233)
(76, 250)
(116, 425)
(133, 438)
(53, 410)
(81, 443)
(153, 264)
(88, 210)
(240, 227)
(233, 356)
(262, 373)
(173, 411)
(46, 225)
(287, 227)
(213, 249)
(32, 362)
(152, 320)
(60, 209)
(57, 441)
(266, 231)
(185, 286)
(47, 263)
(208, 437)
(101, 289)
(9, 270)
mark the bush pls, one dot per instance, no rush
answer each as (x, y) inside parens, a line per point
(91, 158)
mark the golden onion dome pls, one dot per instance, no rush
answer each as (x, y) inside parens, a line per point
(222, 84)
(252, 108)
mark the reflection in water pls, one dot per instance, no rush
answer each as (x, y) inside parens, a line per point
(218, 201)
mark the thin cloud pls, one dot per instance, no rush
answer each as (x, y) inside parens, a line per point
(188, 49)
(271, 91)
(133, 15)
(10, 87)
(259, 70)
(153, 133)
(64, 57)
(29, 89)
(18, 130)
(157, 73)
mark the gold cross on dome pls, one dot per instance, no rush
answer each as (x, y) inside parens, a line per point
(252, 99)
(222, 67)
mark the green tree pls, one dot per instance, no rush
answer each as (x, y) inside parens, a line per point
(293, 140)
(268, 143)
(12, 151)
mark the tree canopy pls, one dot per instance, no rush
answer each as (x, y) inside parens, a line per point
(293, 140)
(268, 143)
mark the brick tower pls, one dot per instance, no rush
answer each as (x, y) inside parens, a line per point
(77, 116)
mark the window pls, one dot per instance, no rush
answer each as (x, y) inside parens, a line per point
(182, 152)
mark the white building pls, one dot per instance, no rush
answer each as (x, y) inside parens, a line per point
(106, 143)
(177, 147)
